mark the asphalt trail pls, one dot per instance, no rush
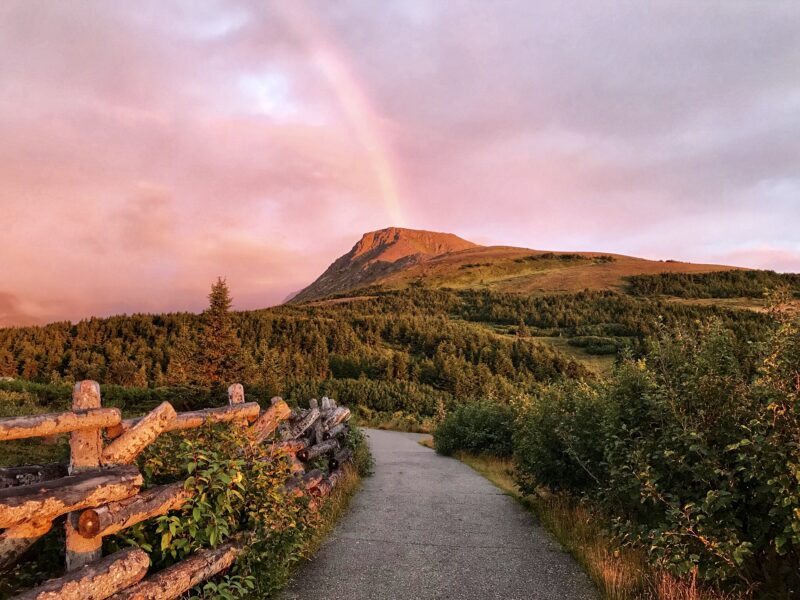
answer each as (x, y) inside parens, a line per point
(426, 526)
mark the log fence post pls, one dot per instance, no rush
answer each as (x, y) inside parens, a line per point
(86, 447)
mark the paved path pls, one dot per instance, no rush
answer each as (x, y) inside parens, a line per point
(425, 526)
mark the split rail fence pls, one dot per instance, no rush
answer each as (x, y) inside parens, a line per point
(100, 492)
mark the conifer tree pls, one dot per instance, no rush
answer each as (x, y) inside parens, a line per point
(182, 366)
(219, 347)
(8, 366)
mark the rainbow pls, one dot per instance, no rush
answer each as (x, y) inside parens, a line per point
(355, 103)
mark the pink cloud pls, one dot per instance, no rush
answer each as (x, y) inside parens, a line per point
(148, 149)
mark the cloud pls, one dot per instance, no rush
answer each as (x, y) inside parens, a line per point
(148, 149)
(14, 312)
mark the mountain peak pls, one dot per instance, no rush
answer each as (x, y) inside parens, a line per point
(380, 252)
(394, 243)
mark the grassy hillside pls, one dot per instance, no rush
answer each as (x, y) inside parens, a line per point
(526, 271)
(397, 258)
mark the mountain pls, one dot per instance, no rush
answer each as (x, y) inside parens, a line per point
(395, 258)
(379, 254)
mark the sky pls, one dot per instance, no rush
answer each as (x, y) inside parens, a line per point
(148, 147)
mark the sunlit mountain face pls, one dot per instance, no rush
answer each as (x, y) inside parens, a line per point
(149, 148)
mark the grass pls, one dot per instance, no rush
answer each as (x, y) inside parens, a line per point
(601, 364)
(619, 572)
(395, 421)
(332, 510)
(509, 269)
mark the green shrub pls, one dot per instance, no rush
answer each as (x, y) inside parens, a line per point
(694, 454)
(556, 439)
(598, 345)
(476, 427)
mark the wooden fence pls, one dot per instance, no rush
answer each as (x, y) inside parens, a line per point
(100, 492)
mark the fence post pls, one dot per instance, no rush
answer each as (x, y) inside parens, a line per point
(85, 447)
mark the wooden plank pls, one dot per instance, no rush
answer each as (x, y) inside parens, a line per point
(130, 444)
(16, 428)
(45, 501)
(116, 516)
(97, 580)
(198, 418)
(177, 579)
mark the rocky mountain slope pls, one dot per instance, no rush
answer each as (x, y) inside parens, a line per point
(379, 254)
(395, 258)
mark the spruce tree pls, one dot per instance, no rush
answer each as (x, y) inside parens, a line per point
(183, 362)
(219, 348)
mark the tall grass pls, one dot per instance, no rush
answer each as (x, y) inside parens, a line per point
(332, 509)
(619, 572)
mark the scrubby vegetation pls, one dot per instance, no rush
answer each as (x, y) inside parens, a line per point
(477, 427)
(393, 351)
(719, 284)
(687, 456)
(690, 453)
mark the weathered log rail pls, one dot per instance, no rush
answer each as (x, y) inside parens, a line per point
(100, 492)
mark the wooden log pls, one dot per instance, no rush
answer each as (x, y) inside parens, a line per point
(15, 542)
(313, 403)
(323, 489)
(293, 487)
(335, 431)
(269, 420)
(97, 580)
(85, 445)
(14, 476)
(304, 423)
(235, 394)
(130, 444)
(198, 418)
(290, 446)
(177, 579)
(336, 476)
(313, 452)
(312, 479)
(116, 516)
(85, 449)
(326, 406)
(336, 416)
(16, 428)
(339, 458)
(318, 433)
(45, 501)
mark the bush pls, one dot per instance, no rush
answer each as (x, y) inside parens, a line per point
(556, 439)
(694, 452)
(476, 427)
(598, 345)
